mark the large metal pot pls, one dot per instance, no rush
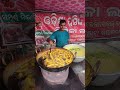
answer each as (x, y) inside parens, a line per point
(53, 75)
(109, 57)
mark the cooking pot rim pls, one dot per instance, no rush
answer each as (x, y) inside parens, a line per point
(54, 69)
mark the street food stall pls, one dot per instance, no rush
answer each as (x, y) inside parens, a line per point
(48, 14)
(16, 35)
(102, 43)
(29, 66)
(51, 71)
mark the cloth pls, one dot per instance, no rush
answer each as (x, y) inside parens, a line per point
(61, 38)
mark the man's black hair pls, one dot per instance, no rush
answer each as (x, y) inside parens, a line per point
(62, 21)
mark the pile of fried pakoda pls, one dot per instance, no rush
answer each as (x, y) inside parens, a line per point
(56, 58)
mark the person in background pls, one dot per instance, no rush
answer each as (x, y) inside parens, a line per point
(61, 36)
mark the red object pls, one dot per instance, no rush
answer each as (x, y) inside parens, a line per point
(17, 5)
(75, 24)
(71, 6)
(104, 21)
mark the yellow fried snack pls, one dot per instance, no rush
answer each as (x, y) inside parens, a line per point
(28, 83)
(56, 58)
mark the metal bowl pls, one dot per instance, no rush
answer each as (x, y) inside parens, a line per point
(77, 59)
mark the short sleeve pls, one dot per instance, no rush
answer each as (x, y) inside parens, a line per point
(53, 36)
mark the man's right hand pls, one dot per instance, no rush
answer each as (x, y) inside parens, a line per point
(51, 43)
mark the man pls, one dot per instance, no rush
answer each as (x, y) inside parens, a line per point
(61, 36)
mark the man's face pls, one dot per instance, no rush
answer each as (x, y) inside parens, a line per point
(62, 26)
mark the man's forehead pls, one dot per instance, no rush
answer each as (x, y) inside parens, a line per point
(62, 23)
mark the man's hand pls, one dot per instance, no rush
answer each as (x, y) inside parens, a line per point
(51, 42)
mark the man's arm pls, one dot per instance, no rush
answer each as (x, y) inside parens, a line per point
(51, 39)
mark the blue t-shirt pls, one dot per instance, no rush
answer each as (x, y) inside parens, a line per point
(61, 38)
